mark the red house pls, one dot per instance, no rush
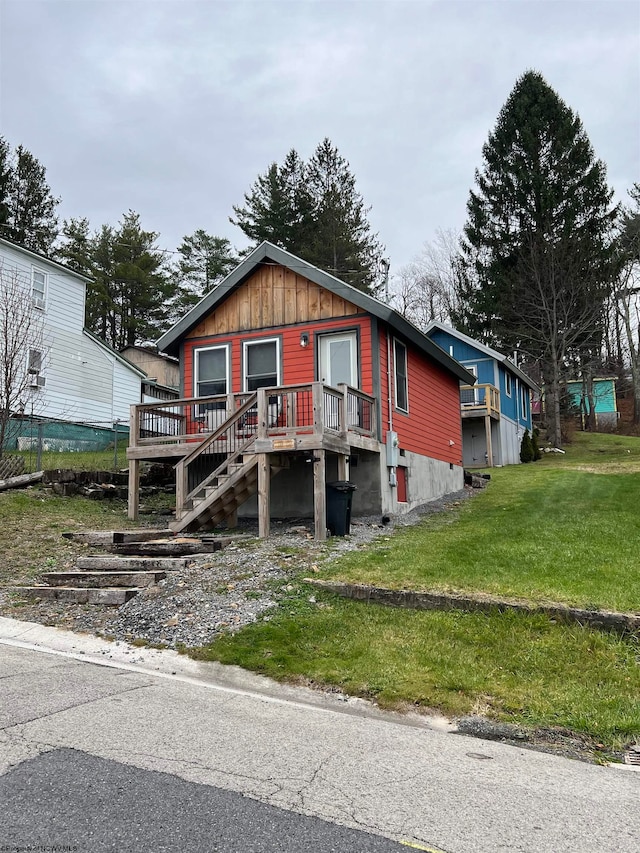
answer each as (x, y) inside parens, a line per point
(291, 379)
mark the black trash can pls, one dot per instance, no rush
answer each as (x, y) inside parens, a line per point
(339, 498)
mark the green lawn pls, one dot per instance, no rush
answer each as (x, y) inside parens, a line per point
(564, 529)
(521, 669)
(90, 460)
(554, 530)
(33, 521)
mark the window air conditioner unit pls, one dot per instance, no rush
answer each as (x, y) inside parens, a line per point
(36, 381)
(38, 302)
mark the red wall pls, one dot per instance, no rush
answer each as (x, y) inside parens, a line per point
(433, 420)
(434, 406)
(298, 363)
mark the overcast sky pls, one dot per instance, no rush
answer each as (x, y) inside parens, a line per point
(172, 108)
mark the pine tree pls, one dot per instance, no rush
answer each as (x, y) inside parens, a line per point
(130, 289)
(538, 254)
(342, 241)
(142, 286)
(27, 206)
(5, 185)
(204, 260)
(314, 211)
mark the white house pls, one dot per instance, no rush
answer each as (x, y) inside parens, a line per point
(73, 376)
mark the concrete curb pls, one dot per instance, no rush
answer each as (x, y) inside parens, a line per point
(606, 620)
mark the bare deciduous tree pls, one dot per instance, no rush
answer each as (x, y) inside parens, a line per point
(22, 349)
(427, 288)
(628, 292)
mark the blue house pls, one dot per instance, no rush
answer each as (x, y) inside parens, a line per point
(497, 409)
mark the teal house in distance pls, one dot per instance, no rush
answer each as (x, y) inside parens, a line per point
(604, 400)
(495, 411)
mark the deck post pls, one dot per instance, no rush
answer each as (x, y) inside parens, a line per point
(343, 467)
(487, 429)
(181, 489)
(317, 393)
(262, 413)
(319, 495)
(134, 489)
(344, 411)
(264, 495)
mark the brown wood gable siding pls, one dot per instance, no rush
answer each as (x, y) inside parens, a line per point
(273, 296)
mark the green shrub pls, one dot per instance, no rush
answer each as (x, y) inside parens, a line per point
(526, 448)
(537, 453)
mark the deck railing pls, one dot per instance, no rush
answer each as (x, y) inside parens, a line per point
(480, 399)
(280, 411)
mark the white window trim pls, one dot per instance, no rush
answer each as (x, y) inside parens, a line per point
(396, 343)
(196, 364)
(245, 359)
(508, 384)
(524, 402)
(39, 302)
(35, 378)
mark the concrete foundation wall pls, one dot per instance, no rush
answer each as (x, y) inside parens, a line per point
(292, 488)
(427, 480)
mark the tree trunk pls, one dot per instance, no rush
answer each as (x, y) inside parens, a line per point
(552, 397)
(635, 380)
(590, 406)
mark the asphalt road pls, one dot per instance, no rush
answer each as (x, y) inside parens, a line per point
(153, 752)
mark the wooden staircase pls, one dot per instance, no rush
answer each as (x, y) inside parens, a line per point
(216, 496)
(218, 500)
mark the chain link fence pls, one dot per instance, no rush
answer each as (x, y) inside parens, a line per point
(37, 444)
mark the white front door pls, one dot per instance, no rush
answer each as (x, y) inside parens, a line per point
(339, 359)
(339, 363)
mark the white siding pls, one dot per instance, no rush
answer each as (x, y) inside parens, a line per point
(85, 382)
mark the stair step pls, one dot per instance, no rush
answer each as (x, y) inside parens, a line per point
(78, 595)
(108, 537)
(109, 563)
(177, 547)
(102, 579)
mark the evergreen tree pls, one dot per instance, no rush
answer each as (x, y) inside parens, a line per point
(535, 444)
(204, 261)
(342, 242)
(27, 207)
(526, 448)
(278, 207)
(130, 287)
(538, 254)
(142, 286)
(5, 185)
(314, 210)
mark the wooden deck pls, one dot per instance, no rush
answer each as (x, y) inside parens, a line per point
(479, 401)
(214, 442)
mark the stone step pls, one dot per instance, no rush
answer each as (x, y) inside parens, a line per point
(111, 563)
(102, 579)
(78, 595)
(108, 537)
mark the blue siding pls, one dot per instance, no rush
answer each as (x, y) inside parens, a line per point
(508, 405)
(511, 407)
(466, 355)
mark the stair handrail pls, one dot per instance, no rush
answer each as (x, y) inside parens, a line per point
(222, 467)
(182, 466)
